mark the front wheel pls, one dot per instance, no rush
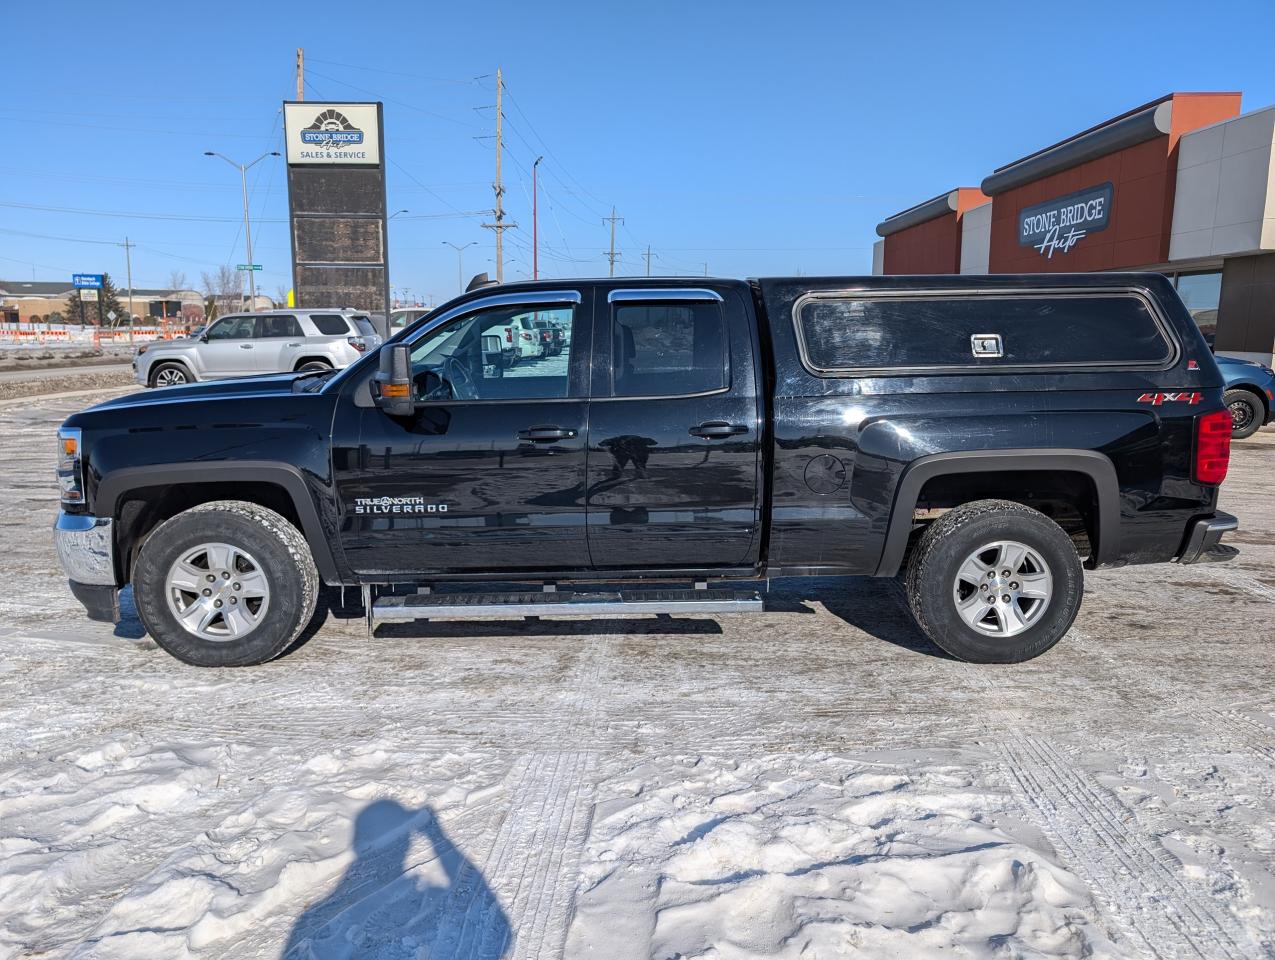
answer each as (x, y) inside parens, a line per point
(1246, 412)
(225, 584)
(169, 375)
(994, 581)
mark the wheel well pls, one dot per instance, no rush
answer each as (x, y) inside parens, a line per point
(1069, 498)
(143, 509)
(304, 360)
(150, 374)
(1255, 391)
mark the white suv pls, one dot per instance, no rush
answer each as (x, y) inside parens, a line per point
(247, 344)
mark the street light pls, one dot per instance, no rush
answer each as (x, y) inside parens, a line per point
(460, 270)
(247, 228)
(396, 213)
(535, 225)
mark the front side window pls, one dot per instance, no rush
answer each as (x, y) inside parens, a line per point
(667, 349)
(280, 326)
(493, 355)
(233, 328)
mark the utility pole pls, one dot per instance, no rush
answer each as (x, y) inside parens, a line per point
(300, 73)
(535, 220)
(128, 260)
(647, 256)
(243, 169)
(706, 269)
(612, 254)
(499, 186)
(460, 260)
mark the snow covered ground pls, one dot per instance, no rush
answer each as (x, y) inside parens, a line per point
(814, 782)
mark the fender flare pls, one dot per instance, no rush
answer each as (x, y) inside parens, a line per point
(1096, 466)
(112, 488)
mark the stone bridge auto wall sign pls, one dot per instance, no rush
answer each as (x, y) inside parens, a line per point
(1057, 225)
(336, 205)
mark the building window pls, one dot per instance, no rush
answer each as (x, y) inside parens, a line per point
(1201, 292)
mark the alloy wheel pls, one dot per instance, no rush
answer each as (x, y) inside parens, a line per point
(1002, 588)
(217, 592)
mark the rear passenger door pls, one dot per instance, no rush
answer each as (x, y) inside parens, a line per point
(278, 335)
(674, 431)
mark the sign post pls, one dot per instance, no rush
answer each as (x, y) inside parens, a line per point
(336, 205)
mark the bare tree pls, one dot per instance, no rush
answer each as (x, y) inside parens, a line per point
(281, 295)
(176, 280)
(223, 291)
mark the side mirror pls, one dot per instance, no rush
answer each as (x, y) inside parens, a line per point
(392, 386)
(203, 338)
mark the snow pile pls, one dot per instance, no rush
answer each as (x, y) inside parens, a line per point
(180, 851)
(896, 856)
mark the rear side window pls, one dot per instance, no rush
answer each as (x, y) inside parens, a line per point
(661, 350)
(840, 334)
(365, 326)
(330, 324)
(280, 326)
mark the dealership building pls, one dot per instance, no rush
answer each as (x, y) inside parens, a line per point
(1183, 186)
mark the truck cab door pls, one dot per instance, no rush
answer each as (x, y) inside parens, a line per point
(675, 429)
(230, 350)
(488, 472)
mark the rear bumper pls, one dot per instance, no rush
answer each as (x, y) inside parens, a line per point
(86, 547)
(1203, 542)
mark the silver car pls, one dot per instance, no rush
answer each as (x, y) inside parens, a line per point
(248, 344)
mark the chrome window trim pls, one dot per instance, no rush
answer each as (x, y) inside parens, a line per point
(631, 294)
(532, 298)
(1138, 293)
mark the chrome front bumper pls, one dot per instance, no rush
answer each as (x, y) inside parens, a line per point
(86, 547)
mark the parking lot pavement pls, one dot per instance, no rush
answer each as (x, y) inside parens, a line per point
(816, 779)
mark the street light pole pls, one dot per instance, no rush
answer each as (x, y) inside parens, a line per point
(247, 226)
(535, 222)
(460, 270)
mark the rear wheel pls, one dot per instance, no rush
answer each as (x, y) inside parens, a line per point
(1246, 412)
(225, 584)
(995, 582)
(169, 375)
(312, 365)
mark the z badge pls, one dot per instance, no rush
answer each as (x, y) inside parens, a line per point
(1158, 399)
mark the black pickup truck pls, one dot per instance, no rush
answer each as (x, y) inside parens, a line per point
(989, 437)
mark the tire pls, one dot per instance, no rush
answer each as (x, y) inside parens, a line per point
(941, 576)
(170, 375)
(1247, 412)
(268, 550)
(313, 365)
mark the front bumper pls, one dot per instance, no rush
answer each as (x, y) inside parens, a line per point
(86, 547)
(1204, 540)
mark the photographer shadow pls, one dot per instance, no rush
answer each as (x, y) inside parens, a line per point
(400, 900)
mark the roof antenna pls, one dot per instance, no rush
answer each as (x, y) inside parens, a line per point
(480, 280)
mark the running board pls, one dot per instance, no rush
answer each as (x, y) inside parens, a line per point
(621, 603)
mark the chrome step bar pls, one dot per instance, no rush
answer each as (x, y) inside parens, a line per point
(612, 603)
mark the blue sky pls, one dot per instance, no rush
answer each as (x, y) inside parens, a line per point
(756, 138)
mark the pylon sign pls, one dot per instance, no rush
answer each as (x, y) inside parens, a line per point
(336, 205)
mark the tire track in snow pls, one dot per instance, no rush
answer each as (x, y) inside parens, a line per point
(1139, 882)
(1239, 730)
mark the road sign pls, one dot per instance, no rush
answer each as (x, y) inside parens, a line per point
(86, 281)
(88, 294)
(245, 266)
(111, 315)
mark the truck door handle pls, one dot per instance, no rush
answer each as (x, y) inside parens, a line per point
(716, 429)
(545, 434)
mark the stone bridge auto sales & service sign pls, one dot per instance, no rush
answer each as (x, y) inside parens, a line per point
(342, 133)
(1057, 225)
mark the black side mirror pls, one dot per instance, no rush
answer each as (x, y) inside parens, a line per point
(392, 386)
(203, 338)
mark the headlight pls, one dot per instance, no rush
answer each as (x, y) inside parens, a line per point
(70, 466)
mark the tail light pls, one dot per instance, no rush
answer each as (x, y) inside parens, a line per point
(547, 335)
(509, 334)
(1212, 446)
(526, 336)
(358, 343)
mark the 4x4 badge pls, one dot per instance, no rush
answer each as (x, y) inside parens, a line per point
(1156, 399)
